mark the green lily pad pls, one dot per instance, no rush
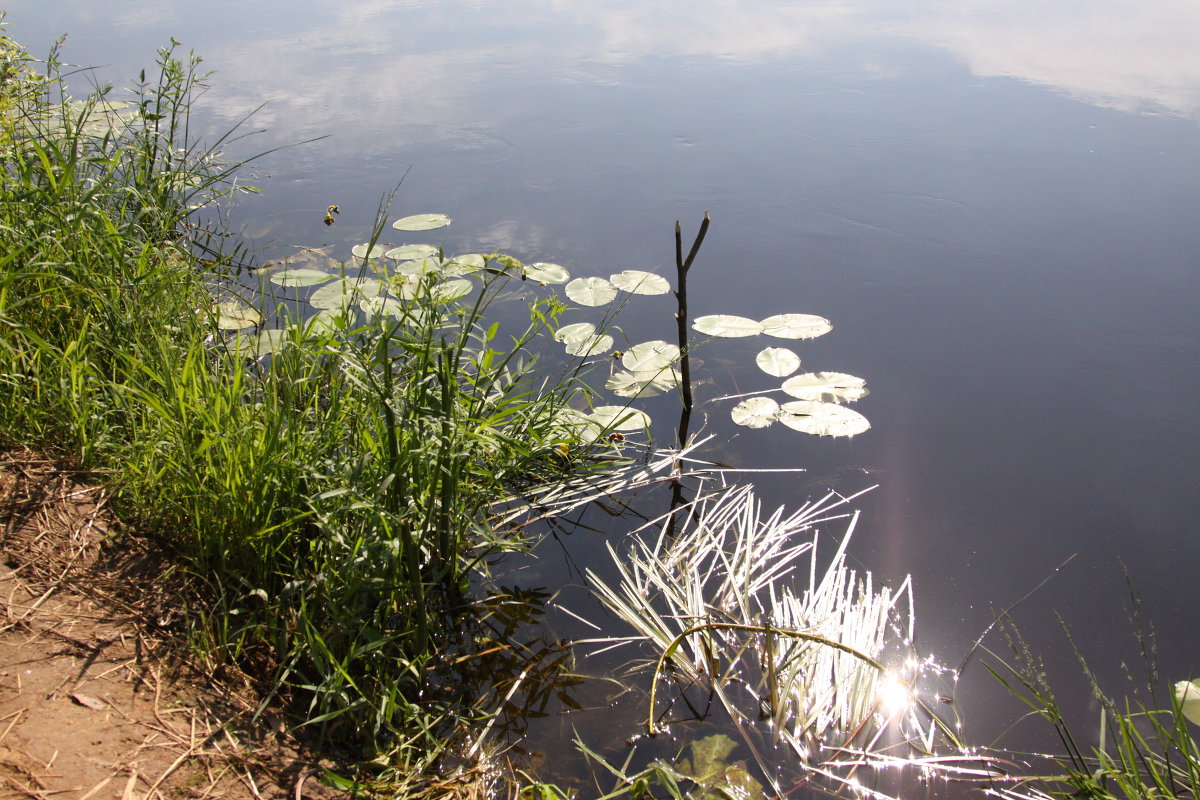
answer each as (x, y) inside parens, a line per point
(590, 346)
(301, 276)
(649, 356)
(374, 251)
(635, 281)
(830, 387)
(755, 412)
(591, 291)
(411, 252)
(777, 361)
(620, 418)
(796, 326)
(643, 384)
(454, 289)
(421, 222)
(727, 325)
(544, 272)
(344, 292)
(718, 778)
(235, 315)
(576, 331)
(822, 419)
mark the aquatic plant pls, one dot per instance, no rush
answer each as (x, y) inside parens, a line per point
(1142, 746)
(328, 483)
(828, 671)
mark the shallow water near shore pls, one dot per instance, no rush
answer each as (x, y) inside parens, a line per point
(996, 208)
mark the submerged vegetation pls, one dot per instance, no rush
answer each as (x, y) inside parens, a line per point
(336, 456)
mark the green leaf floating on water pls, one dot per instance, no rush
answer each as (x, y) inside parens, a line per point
(620, 418)
(591, 291)
(464, 264)
(454, 289)
(777, 361)
(755, 412)
(411, 252)
(727, 325)
(301, 276)
(822, 419)
(574, 332)
(635, 281)
(263, 343)
(421, 222)
(581, 339)
(796, 326)
(830, 387)
(643, 384)
(545, 272)
(1187, 694)
(649, 356)
(362, 251)
(345, 291)
(719, 778)
(233, 315)
(590, 346)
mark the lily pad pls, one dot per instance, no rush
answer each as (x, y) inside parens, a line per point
(620, 418)
(362, 251)
(777, 361)
(830, 387)
(301, 276)
(382, 305)
(635, 281)
(717, 777)
(727, 325)
(406, 285)
(234, 315)
(649, 356)
(590, 345)
(263, 343)
(344, 292)
(755, 412)
(411, 252)
(822, 419)
(451, 290)
(571, 425)
(545, 272)
(796, 326)
(464, 264)
(591, 291)
(328, 320)
(643, 384)
(421, 222)
(576, 331)
(1187, 694)
(423, 266)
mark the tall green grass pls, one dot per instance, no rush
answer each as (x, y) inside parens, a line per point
(327, 501)
(1141, 746)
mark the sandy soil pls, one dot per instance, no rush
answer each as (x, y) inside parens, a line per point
(96, 700)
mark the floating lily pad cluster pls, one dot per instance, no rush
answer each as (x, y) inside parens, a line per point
(817, 408)
(648, 368)
(340, 298)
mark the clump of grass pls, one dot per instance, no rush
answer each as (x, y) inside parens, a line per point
(829, 671)
(328, 500)
(1144, 747)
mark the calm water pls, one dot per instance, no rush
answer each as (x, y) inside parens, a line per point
(995, 202)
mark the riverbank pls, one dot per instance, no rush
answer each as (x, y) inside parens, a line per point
(320, 489)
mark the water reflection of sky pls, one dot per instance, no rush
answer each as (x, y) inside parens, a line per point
(1008, 255)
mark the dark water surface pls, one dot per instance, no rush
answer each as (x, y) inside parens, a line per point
(996, 203)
